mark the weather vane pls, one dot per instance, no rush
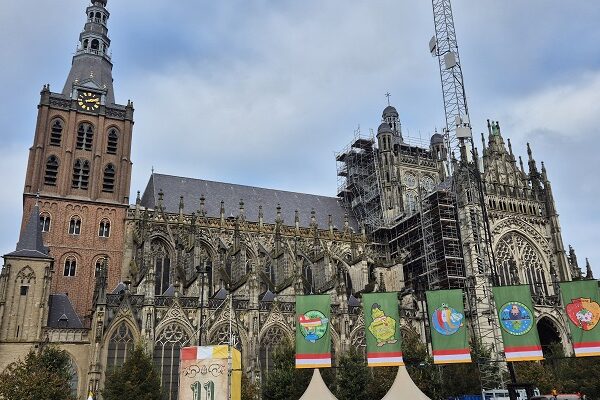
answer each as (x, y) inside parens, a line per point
(388, 97)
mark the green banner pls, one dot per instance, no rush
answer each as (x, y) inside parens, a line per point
(581, 302)
(313, 337)
(382, 329)
(517, 323)
(447, 326)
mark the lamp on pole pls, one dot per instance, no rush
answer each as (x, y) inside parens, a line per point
(202, 271)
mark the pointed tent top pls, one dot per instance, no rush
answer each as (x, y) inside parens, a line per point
(404, 388)
(317, 389)
(31, 243)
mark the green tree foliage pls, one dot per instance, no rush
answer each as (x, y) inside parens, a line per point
(565, 374)
(43, 375)
(459, 379)
(136, 379)
(284, 381)
(382, 381)
(250, 390)
(353, 377)
(420, 365)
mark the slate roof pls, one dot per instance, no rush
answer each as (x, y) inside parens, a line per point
(61, 313)
(31, 244)
(120, 288)
(214, 192)
(83, 64)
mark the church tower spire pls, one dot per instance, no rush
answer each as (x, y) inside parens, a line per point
(79, 167)
(92, 61)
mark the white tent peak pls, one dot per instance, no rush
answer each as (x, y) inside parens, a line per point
(317, 389)
(404, 388)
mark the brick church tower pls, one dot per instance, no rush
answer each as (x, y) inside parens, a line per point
(80, 167)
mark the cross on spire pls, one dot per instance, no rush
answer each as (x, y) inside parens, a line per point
(388, 95)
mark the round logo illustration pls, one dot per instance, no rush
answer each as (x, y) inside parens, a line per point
(313, 325)
(446, 320)
(516, 318)
(584, 313)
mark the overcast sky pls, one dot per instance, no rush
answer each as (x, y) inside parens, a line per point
(263, 92)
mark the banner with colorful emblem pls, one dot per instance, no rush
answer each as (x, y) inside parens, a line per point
(313, 337)
(517, 323)
(581, 301)
(382, 329)
(447, 325)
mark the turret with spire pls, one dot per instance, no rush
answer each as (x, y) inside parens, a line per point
(25, 282)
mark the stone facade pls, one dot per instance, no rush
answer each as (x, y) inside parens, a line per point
(191, 258)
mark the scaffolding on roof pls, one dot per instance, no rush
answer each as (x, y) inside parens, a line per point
(358, 180)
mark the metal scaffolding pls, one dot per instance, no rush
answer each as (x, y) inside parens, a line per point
(427, 243)
(359, 181)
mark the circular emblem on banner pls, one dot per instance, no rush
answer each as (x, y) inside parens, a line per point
(446, 320)
(516, 318)
(584, 313)
(313, 325)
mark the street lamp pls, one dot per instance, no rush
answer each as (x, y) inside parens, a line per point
(202, 270)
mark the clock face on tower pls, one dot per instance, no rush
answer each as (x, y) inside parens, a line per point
(88, 101)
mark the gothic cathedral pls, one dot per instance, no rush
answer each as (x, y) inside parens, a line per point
(94, 273)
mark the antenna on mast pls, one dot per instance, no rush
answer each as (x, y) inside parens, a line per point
(457, 133)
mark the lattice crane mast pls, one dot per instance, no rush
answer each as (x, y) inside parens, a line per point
(444, 46)
(468, 190)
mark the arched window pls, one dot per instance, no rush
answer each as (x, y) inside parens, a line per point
(85, 136)
(166, 357)
(120, 345)
(75, 225)
(108, 184)
(95, 44)
(519, 261)
(51, 173)
(162, 267)
(104, 230)
(81, 174)
(56, 132)
(70, 266)
(221, 336)
(45, 222)
(113, 141)
(411, 202)
(307, 274)
(271, 340)
(101, 262)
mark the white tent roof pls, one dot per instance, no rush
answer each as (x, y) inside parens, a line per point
(404, 388)
(317, 389)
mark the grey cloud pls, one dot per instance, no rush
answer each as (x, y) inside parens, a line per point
(264, 92)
